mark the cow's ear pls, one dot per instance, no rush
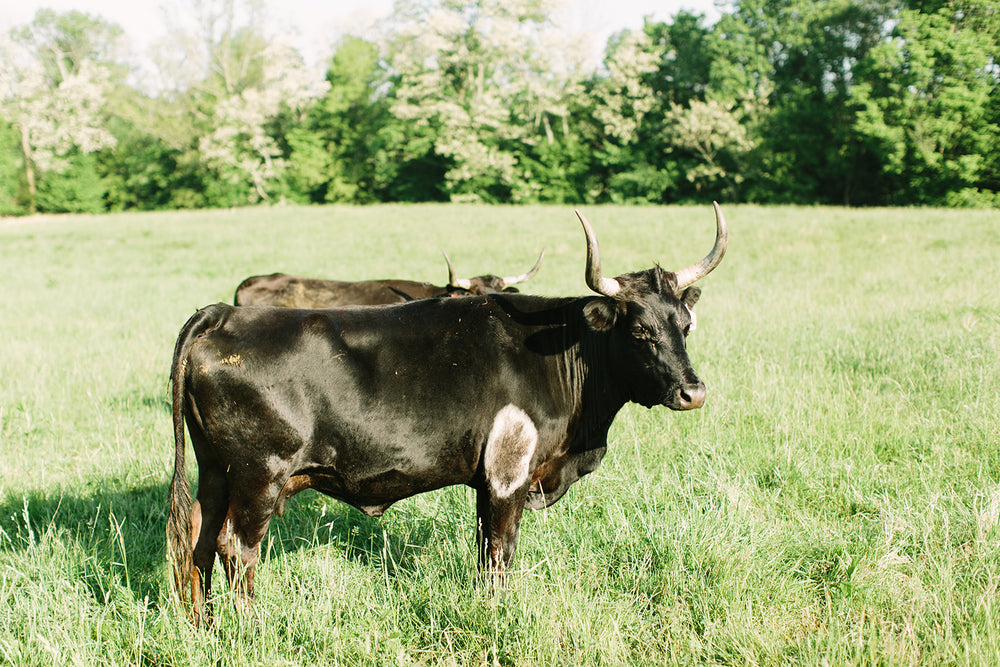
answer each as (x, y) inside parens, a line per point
(601, 313)
(691, 296)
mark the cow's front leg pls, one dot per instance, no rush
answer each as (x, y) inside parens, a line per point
(500, 495)
(498, 522)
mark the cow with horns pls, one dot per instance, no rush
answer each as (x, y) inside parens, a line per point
(280, 289)
(510, 394)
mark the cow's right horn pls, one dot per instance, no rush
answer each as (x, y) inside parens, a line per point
(601, 285)
(513, 280)
(696, 272)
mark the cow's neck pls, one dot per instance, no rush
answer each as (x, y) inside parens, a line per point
(602, 396)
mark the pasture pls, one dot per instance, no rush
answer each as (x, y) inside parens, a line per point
(836, 501)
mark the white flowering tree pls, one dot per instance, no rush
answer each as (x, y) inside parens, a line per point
(654, 144)
(232, 83)
(714, 134)
(55, 82)
(56, 105)
(622, 97)
(484, 78)
(240, 145)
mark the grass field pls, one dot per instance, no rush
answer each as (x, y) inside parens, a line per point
(835, 502)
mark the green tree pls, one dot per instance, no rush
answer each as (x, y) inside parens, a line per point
(143, 173)
(675, 110)
(10, 170)
(61, 43)
(77, 188)
(332, 153)
(792, 63)
(927, 103)
(628, 113)
(686, 58)
(712, 103)
(242, 145)
(712, 133)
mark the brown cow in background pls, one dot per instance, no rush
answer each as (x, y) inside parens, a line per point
(280, 289)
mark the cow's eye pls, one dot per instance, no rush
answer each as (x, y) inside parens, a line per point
(640, 332)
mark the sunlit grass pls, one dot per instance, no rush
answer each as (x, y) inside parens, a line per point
(836, 501)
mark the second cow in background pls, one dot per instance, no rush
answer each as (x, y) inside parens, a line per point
(280, 289)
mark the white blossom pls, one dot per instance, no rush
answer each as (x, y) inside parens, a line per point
(54, 120)
(484, 74)
(708, 129)
(240, 141)
(623, 98)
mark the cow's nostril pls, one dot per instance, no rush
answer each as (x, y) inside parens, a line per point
(691, 396)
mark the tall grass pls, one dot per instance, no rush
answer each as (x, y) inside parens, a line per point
(835, 502)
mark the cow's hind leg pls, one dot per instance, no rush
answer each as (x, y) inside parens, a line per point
(207, 515)
(239, 540)
(500, 496)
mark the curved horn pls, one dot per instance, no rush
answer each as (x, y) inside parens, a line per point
(524, 276)
(605, 286)
(464, 283)
(695, 272)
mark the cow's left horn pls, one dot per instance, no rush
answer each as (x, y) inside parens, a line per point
(605, 286)
(513, 280)
(464, 283)
(695, 272)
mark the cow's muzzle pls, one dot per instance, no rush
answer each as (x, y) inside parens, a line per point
(688, 397)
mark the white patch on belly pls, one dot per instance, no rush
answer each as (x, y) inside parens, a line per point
(509, 449)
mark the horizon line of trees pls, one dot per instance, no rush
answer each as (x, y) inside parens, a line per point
(843, 102)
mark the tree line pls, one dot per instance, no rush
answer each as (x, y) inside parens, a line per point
(845, 102)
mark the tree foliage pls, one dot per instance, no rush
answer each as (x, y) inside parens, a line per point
(241, 145)
(54, 92)
(927, 106)
(488, 79)
(836, 101)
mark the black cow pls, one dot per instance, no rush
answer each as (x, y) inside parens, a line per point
(280, 289)
(510, 394)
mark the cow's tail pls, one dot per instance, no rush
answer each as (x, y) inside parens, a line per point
(180, 547)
